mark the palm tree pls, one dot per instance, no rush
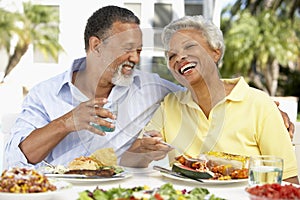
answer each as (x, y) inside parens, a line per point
(258, 41)
(7, 28)
(37, 25)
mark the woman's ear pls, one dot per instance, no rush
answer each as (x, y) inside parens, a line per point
(216, 55)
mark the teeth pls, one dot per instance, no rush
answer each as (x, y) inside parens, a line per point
(128, 68)
(186, 67)
(128, 63)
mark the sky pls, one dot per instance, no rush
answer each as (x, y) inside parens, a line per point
(226, 2)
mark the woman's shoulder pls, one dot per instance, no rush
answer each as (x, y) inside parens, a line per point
(178, 95)
(259, 95)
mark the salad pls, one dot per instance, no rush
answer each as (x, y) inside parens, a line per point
(166, 191)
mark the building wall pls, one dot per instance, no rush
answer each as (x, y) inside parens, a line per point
(73, 17)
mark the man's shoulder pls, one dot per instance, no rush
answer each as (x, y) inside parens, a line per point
(51, 83)
(146, 78)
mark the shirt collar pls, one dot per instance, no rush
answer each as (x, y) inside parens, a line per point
(80, 64)
(240, 90)
(237, 94)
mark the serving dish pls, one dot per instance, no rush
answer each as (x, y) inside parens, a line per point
(82, 179)
(62, 186)
(274, 191)
(205, 181)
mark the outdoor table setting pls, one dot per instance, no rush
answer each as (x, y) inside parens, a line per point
(229, 179)
(153, 179)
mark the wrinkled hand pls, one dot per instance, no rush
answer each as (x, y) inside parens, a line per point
(90, 111)
(288, 124)
(145, 150)
(153, 147)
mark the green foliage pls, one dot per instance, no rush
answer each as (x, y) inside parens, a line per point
(37, 25)
(264, 37)
(238, 45)
(258, 39)
(7, 28)
(43, 23)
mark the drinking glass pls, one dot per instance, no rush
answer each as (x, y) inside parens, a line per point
(112, 107)
(265, 169)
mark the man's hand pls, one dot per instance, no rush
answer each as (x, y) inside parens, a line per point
(145, 150)
(288, 124)
(86, 112)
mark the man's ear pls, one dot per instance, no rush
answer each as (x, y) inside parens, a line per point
(95, 44)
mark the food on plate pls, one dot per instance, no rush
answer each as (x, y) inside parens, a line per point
(107, 171)
(22, 180)
(222, 158)
(88, 167)
(84, 162)
(100, 158)
(212, 165)
(106, 156)
(274, 191)
(165, 192)
(102, 162)
(190, 172)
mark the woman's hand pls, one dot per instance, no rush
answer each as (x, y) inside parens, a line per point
(144, 150)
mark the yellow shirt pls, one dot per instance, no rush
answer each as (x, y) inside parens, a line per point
(246, 122)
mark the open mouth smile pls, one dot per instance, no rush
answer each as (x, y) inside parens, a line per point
(127, 68)
(186, 68)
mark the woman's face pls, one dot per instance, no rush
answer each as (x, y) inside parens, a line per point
(190, 58)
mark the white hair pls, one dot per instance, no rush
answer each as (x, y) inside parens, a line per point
(211, 32)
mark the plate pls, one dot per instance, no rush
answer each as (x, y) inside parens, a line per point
(82, 179)
(145, 170)
(62, 186)
(205, 181)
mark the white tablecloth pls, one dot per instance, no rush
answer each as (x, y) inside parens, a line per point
(232, 191)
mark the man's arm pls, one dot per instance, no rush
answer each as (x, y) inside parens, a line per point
(287, 122)
(40, 142)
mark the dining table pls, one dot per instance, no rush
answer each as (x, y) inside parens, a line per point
(232, 190)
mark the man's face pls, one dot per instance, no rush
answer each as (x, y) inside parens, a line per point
(121, 52)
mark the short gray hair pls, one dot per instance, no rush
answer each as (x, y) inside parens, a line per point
(211, 32)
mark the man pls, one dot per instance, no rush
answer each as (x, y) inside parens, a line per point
(60, 116)
(56, 122)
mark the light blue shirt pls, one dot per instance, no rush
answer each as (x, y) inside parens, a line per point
(54, 97)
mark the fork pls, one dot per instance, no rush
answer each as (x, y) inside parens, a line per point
(165, 143)
(48, 164)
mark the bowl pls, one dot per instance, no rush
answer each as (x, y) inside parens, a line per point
(274, 191)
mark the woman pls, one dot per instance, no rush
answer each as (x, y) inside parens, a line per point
(215, 114)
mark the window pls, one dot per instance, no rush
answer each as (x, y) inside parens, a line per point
(193, 7)
(162, 16)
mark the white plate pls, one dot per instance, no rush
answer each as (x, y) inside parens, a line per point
(206, 181)
(62, 186)
(82, 179)
(146, 170)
